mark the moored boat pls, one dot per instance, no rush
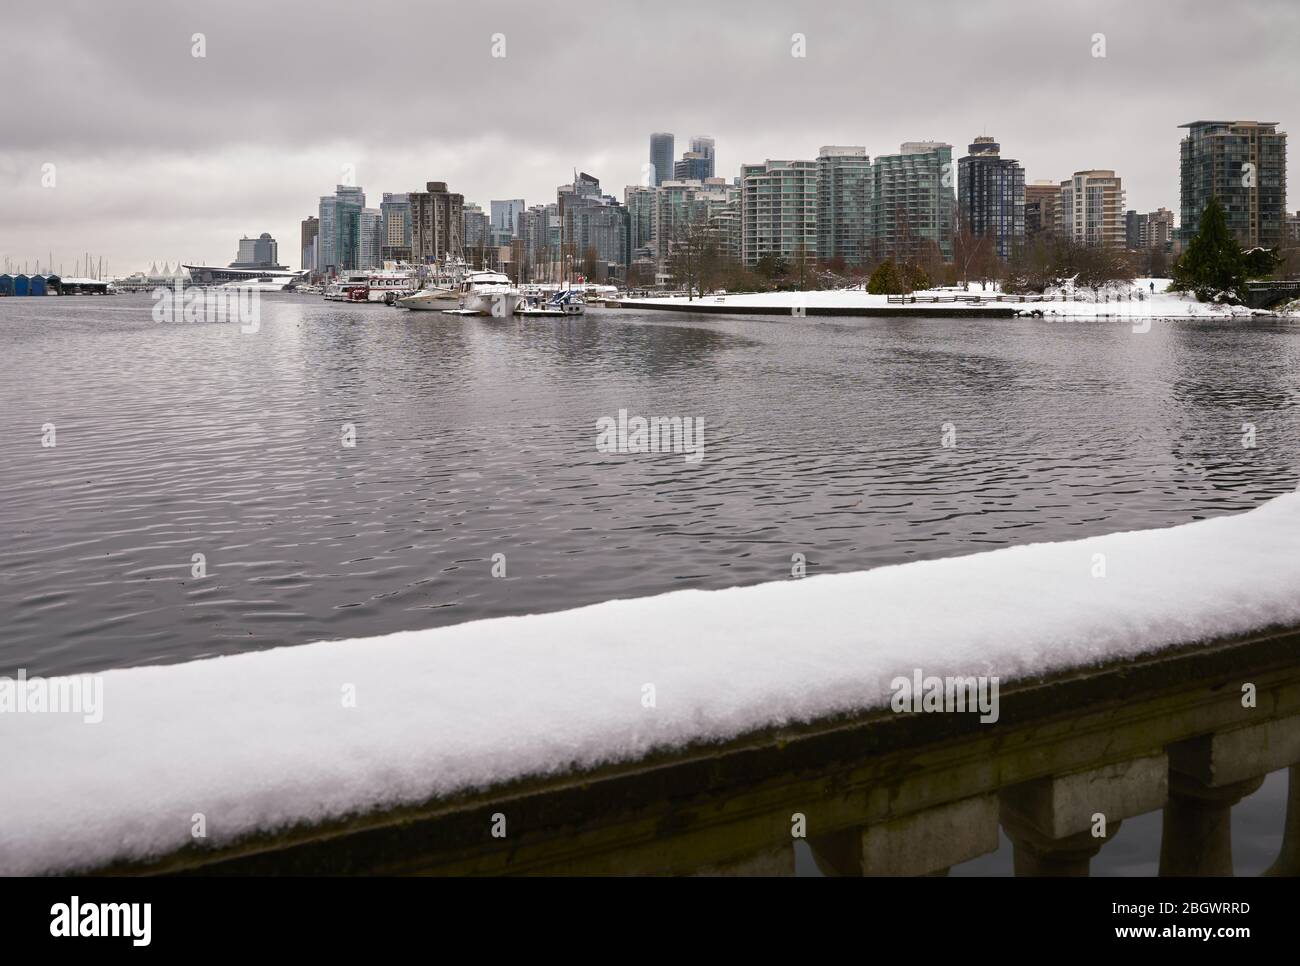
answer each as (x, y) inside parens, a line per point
(488, 293)
(563, 303)
(432, 299)
(389, 285)
(338, 290)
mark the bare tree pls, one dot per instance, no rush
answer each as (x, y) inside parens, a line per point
(695, 258)
(974, 257)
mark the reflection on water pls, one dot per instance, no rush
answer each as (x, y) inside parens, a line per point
(477, 437)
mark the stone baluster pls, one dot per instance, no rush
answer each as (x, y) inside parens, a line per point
(1288, 859)
(1209, 775)
(928, 842)
(1197, 834)
(1054, 822)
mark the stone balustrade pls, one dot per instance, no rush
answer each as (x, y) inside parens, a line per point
(1190, 731)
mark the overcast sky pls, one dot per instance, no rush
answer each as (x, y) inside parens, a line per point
(159, 155)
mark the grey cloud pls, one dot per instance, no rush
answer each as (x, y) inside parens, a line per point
(181, 152)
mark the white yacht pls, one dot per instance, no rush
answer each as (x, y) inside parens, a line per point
(389, 285)
(488, 293)
(340, 289)
(429, 299)
(441, 288)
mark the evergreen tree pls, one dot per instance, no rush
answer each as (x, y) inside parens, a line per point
(1213, 266)
(1261, 262)
(915, 278)
(886, 280)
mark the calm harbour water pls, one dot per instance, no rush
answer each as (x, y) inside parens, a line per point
(476, 437)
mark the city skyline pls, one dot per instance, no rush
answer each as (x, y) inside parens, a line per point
(148, 172)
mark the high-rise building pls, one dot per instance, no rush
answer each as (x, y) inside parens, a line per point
(536, 255)
(310, 232)
(595, 227)
(1293, 227)
(693, 166)
(260, 252)
(726, 223)
(585, 189)
(640, 203)
(703, 146)
(682, 208)
(1091, 211)
(340, 226)
(843, 204)
(1152, 229)
(476, 229)
(991, 196)
(505, 217)
(778, 211)
(1243, 164)
(396, 210)
(539, 229)
(1041, 201)
(1135, 226)
(661, 157)
(913, 202)
(370, 239)
(436, 223)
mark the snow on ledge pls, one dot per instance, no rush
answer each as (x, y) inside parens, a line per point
(262, 740)
(1143, 298)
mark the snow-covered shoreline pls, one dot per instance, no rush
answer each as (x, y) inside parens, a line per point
(304, 734)
(1140, 299)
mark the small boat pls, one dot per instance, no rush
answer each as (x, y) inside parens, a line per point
(428, 300)
(488, 293)
(389, 285)
(569, 302)
(534, 309)
(339, 289)
(563, 303)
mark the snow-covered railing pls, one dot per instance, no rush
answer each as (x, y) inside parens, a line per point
(978, 299)
(892, 719)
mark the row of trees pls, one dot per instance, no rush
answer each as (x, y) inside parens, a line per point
(1214, 266)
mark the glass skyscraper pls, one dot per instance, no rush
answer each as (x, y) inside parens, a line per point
(913, 203)
(1243, 164)
(661, 157)
(704, 147)
(340, 227)
(991, 196)
(843, 204)
(778, 211)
